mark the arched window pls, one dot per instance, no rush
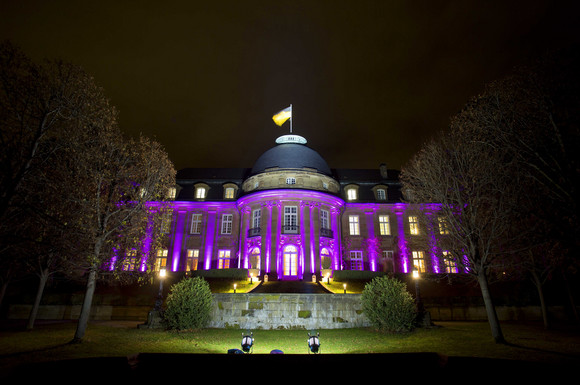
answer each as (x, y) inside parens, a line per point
(255, 258)
(290, 260)
(325, 258)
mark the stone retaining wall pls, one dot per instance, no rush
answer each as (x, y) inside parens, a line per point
(288, 311)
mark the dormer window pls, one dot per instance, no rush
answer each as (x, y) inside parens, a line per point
(230, 190)
(200, 192)
(351, 192)
(381, 194)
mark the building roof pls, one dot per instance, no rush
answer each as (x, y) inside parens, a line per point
(290, 152)
(291, 156)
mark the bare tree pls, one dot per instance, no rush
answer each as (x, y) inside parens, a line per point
(41, 103)
(532, 116)
(115, 181)
(541, 130)
(70, 184)
(462, 172)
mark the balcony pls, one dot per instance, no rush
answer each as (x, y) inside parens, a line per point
(290, 229)
(326, 232)
(254, 232)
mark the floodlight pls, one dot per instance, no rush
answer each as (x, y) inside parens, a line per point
(314, 342)
(248, 342)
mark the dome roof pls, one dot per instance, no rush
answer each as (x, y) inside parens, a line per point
(291, 153)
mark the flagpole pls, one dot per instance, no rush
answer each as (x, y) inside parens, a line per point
(291, 113)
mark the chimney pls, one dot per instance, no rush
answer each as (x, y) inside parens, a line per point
(384, 172)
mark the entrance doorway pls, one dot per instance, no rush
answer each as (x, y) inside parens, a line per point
(290, 261)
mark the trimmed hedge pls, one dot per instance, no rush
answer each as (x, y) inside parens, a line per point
(188, 305)
(388, 305)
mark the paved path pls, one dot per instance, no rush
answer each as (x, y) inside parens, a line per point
(290, 287)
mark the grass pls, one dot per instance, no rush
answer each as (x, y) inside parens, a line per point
(49, 342)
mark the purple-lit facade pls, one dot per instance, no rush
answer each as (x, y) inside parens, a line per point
(292, 217)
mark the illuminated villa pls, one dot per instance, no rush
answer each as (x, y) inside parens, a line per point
(292, 217)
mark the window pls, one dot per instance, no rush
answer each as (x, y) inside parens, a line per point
(161, 260)
(227, 223)
(192, 259)
(255, 258)
(356, 260)
(224, 259)
(256, 218)
(443, 227)
(381, 194)
(325, 260)
(450, 264)
(351, 194)
(172, 193)
(388, 254)
(229, 193)
(290, 260)
(384, 225)
(291, 180)
(353, 225)
(130, 261)
(324, 222)
(413, 225)
(387, 260)
(195, 224)
(419, 261)
(200, 192)
(291, 219)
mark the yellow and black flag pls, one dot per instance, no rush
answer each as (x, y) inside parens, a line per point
(283, 116)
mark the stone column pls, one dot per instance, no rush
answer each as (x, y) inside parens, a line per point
(178, 240)
(209, 239)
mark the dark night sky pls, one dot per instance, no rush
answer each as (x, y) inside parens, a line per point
(369, 81)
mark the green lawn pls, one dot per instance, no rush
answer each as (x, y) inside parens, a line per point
(121, 339)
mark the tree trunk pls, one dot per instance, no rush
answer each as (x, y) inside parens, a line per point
(538, 283)
(86, 308)
(490, 308)
(43, 278)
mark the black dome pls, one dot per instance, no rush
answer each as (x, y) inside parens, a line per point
(291, 155)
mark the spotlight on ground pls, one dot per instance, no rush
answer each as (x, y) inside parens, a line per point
(314, 342)
(247, 342)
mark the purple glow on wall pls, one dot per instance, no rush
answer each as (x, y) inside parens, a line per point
(209, 236)
(271, 240)
(402, 243)
(177, 239)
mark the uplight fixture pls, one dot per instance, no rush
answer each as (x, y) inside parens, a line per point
(314, 343)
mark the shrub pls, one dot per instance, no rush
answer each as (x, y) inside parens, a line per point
(188, 304)
(388, 305)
